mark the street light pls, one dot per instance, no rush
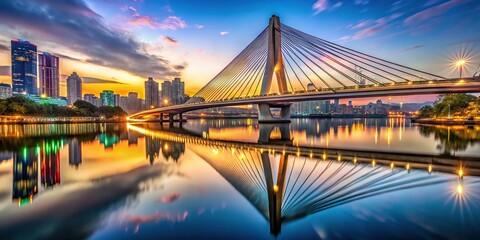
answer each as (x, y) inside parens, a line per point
(459, 63)
(165, 101)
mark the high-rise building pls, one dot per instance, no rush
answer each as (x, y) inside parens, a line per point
(88, 97)
(74, 88)
(75, 152)
(133, 102)
(24, 67)
(151, 93)
(178, 91)
(48, 75)
(116, 100)
(107, 98)
(166, 93)
(5, 90)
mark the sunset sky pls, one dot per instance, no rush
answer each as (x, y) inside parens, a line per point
(117, 44)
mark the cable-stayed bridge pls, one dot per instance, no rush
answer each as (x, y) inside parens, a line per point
(285, 183)
(284, 65)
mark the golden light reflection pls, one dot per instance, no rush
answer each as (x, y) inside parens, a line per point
(460, 173)
(374, 163)
(392, 165)
(459, 189)
(430, 168)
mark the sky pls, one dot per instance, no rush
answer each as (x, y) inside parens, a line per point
(118, 44)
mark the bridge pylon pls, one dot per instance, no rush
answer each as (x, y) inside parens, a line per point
(274, 65)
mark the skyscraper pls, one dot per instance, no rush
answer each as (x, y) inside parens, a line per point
(74, 88)
(178, 91)
(151, 93)
(5, 90)
(48, 74)
(24, 67)
(166, 93)
(108, 98)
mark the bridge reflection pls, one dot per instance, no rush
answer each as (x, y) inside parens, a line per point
(285, 183)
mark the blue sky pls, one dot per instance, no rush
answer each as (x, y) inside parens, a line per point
(126, 41)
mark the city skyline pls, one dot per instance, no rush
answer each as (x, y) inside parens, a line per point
(175, 42)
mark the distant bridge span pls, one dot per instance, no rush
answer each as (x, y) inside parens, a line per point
(283, 65)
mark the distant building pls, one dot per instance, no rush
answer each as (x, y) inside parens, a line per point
(116, 100)
(107, 98)
(74, 88)
(24, 67)
(178, 91)
(133, 102)
(166, 93)
(151, 93)
(5, 90)
(48, 65)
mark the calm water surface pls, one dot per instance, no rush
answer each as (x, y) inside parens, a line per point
(312, 179)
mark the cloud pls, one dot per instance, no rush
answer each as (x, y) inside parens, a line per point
(94, 80)
(362, 24)
(411, 48)
(52, 21)
(142, 21)
(362, 2)
(169, 41)
(344, 38)
(4, 47)
(378, 26)
(172, 23)
(430, 13)
(5, 70)
(199, 26)
(224, 33)
(169, 199)
(336, 5)
(320, 6)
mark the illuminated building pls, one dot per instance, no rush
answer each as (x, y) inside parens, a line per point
(75, 152)
(108, 140)
(178, 91)
(47, 100)
(48, 65)
(5, 90)
(166, 92)
(50, 163)
(25, 175)
(24, 67)
(151, 93)
(107, 98)
(74, 88)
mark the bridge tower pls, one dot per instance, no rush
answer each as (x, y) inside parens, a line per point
(274, 65)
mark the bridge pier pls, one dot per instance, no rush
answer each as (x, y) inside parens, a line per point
(265, 115)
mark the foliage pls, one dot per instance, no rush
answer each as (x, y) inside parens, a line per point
(458, 104)
(20, 105)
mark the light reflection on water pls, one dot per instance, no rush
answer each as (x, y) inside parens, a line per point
(105, 181)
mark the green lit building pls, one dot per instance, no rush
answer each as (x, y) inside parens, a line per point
(108, 98)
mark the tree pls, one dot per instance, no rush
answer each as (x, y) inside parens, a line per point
(85, 108)
(426, 111)
(455, 103)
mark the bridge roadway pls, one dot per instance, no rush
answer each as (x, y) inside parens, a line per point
(456, 85)
(426, 162)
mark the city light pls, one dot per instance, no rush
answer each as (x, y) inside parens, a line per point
(460, 63)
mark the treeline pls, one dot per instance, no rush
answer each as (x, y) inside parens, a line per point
(19, 105)
(458, 104)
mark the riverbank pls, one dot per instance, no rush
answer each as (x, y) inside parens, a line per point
(7, 120)
(445, 121)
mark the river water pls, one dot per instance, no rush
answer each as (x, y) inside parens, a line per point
(218, 179)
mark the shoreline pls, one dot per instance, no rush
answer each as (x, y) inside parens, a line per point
(449, 122)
